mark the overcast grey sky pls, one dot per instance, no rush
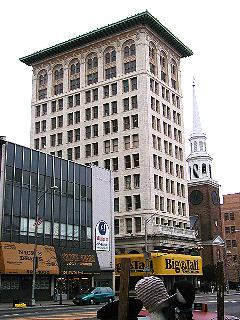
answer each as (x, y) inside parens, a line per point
(209, 27)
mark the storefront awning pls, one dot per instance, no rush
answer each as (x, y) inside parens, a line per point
(17, 258)
(75, 261)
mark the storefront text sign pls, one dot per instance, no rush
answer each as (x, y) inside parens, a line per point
(17, 258)
(102, 236)
(162, 264)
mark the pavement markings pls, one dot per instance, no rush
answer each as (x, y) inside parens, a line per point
(65, 316)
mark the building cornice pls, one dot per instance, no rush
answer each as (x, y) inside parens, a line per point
(141, 19)
(201, 182)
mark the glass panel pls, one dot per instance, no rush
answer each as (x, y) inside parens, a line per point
(70, 171)
(19, 157)
(25, 202)
(26, 160)
(16, 201)
(47, 225)
(42, 163)
(10, 154)
(8, 198)
(34, 161)
(49, 171)
(57, 168)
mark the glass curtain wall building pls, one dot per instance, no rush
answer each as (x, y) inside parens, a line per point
(66, 212)
(67, 223)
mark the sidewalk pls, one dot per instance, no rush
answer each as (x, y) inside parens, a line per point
(39, 304)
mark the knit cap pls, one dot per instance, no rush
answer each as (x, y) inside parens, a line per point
(152, 292)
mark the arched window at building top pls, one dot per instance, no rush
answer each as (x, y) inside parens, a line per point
(152, 58)
(92, 68)
(110, 55)
(42, 81)
(164, 66)
(74, 67)
(201, 146)
(58, 72)
(129, 56)
(174, 74)
(42, 78)
(110, 63)
(74, 74)
(195, 145)
(58, 79)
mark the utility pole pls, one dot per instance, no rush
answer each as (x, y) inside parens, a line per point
(124, 289)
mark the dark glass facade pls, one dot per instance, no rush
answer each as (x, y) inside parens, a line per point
(66, 212)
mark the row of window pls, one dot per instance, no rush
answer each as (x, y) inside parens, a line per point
(134, 225)
(165, 94)
(168, 166)
(172, 206)
(169, 185)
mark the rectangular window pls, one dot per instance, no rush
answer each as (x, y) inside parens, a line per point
(107, 164)
(77, 153)
(70, 101)
(115, 145)
(135, 160)
(107, 146)
(115, 164)
(135, 141)
(77, 134)
(231, 215)
(134, 83)
(116, 221)
(70, 136)
(36, 144)
(114, 89)
(37, 111)
(95, 94)
(95, 148)
(136, 181)
(135, 121)
(53, 106)
(88, 114)
(106, 109)
(88, 132)
(128, 202)
(59, 153)
(116, 206)
(126, 142)
(114, 107)
(116, 184)
(138, 224)
(69, 153)
(77, 99)
(88, 96)
(126, 104)
(70, 119)
(60, 104)
(137, 201)
(59, 138)
(125, 85)
(129, 66)
(44, 109)
(95, 112)
(37, 127)
(105, 91)
(134, 102)
(126, 123)
(127, 182)
(127, 160)
(95, 130)
(128, 225)
(88, 150)
(106, 126)
(114, 125)
(77, 117)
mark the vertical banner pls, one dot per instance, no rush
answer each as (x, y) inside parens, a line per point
(102, 236)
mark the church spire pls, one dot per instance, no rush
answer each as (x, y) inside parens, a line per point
(199, 161)
(197, 128)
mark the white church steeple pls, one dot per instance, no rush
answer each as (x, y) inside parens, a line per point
(199, 161)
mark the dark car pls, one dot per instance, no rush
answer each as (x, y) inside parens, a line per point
(95, 295)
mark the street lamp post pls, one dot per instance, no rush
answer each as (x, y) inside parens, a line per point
(39, 199)
(147, 269)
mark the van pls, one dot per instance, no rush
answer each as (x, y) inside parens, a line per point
(95, 295)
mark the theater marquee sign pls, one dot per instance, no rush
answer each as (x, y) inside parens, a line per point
(17, 258)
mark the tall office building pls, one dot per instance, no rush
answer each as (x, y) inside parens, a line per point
(112, 98)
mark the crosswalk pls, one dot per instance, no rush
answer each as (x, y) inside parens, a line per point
(62, 316)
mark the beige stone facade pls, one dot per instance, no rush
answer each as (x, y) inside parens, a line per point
(117, 103)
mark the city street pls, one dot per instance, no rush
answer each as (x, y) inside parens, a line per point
(232, 302)
(71, 312)
(53, 312)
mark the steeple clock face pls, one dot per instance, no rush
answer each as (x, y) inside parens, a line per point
(196, 197)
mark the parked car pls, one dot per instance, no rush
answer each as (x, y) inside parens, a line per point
(95, 295)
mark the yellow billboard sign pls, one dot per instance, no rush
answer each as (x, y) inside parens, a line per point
(162, 264)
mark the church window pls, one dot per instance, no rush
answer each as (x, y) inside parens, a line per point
(210, 171)
(201, 145)
(204, 168)
(195, 146)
